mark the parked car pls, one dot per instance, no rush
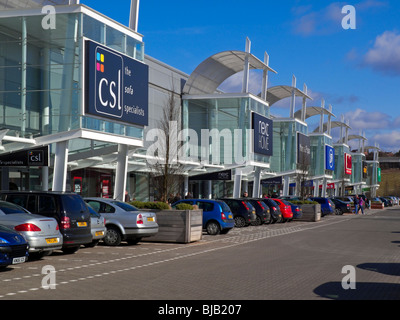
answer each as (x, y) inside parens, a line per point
(243, 212)
(67, 208)
(124, 222)
(395, 200)
(286, 209)
(341, 206)
(274, 209)
(297, 211)
(97, 227)
(14, 248)
(217, 216)
(42, 233)
(386, 202)
(263, 214)
(327, 206)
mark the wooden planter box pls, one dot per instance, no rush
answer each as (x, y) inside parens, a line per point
(178, 226)
(377, 205)
(311, 212)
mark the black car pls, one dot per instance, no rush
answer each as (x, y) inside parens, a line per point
(262, 212)
(386, 201)
(275, 211)
(67, 208)
(341, 206)
(243, 212)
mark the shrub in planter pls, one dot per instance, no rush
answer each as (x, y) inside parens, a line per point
(183, 206)
(150, 205)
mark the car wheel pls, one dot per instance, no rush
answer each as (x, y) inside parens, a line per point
(213, 228)
(113, 237)
(338, 211)
(258, 222)
(240, 222)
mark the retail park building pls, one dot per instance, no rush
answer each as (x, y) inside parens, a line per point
(77, 103)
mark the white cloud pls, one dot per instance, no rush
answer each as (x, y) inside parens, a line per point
(385, 54)
(364, 120)
(389, 141)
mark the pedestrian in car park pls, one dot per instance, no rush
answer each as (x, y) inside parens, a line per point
(360, 205)
(356, 202)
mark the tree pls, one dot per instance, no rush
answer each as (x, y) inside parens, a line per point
(165, 169)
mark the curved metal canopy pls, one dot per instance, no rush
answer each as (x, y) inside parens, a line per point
(334, 124)
(356, 136)
(274, 94)
(213, 71)
(313, 111)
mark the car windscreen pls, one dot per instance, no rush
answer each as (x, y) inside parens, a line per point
(124, 206)
(9, 208)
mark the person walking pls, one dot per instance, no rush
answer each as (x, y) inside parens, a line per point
(360, 205)
(356, 202)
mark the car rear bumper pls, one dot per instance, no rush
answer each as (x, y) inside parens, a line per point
(47, 243)
(140, 232)
(73, 240)
(99, 233)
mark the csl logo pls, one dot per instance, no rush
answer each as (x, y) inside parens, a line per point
(108, 83)
(35, 157)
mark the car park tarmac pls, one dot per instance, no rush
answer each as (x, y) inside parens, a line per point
(295, 260)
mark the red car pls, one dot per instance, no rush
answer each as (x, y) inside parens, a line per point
(286, 209)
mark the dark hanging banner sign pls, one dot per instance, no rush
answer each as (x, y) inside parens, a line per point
(303, 149)
(262, 127)
(117, 86)
(37, 157)
(221, 175)
(275, 180)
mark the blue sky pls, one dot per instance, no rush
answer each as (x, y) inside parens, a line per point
(356, 71)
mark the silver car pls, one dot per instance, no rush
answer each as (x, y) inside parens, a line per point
(42, 233)
(97, 226)
(124, 221)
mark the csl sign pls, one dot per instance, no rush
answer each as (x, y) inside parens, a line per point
(116, 85)
(38, 157)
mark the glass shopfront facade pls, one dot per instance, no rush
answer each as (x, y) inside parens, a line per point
(225, 114)
(42, 84)
(41, 74)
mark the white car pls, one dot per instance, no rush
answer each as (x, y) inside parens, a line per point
(124, 222)
(42, 233)
(97, 226)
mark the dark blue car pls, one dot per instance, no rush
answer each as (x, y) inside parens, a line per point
(327, 207)
(217, 216)
(13, 247)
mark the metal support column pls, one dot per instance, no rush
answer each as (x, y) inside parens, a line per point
(24, 47)
(237, 186)
(60, 166)
(121, 172)
(256, 183)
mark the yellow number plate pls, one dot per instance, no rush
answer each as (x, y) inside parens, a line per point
(230, 216)
(52, 240)
(150, 219)
(99, 233)
(82, 224)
